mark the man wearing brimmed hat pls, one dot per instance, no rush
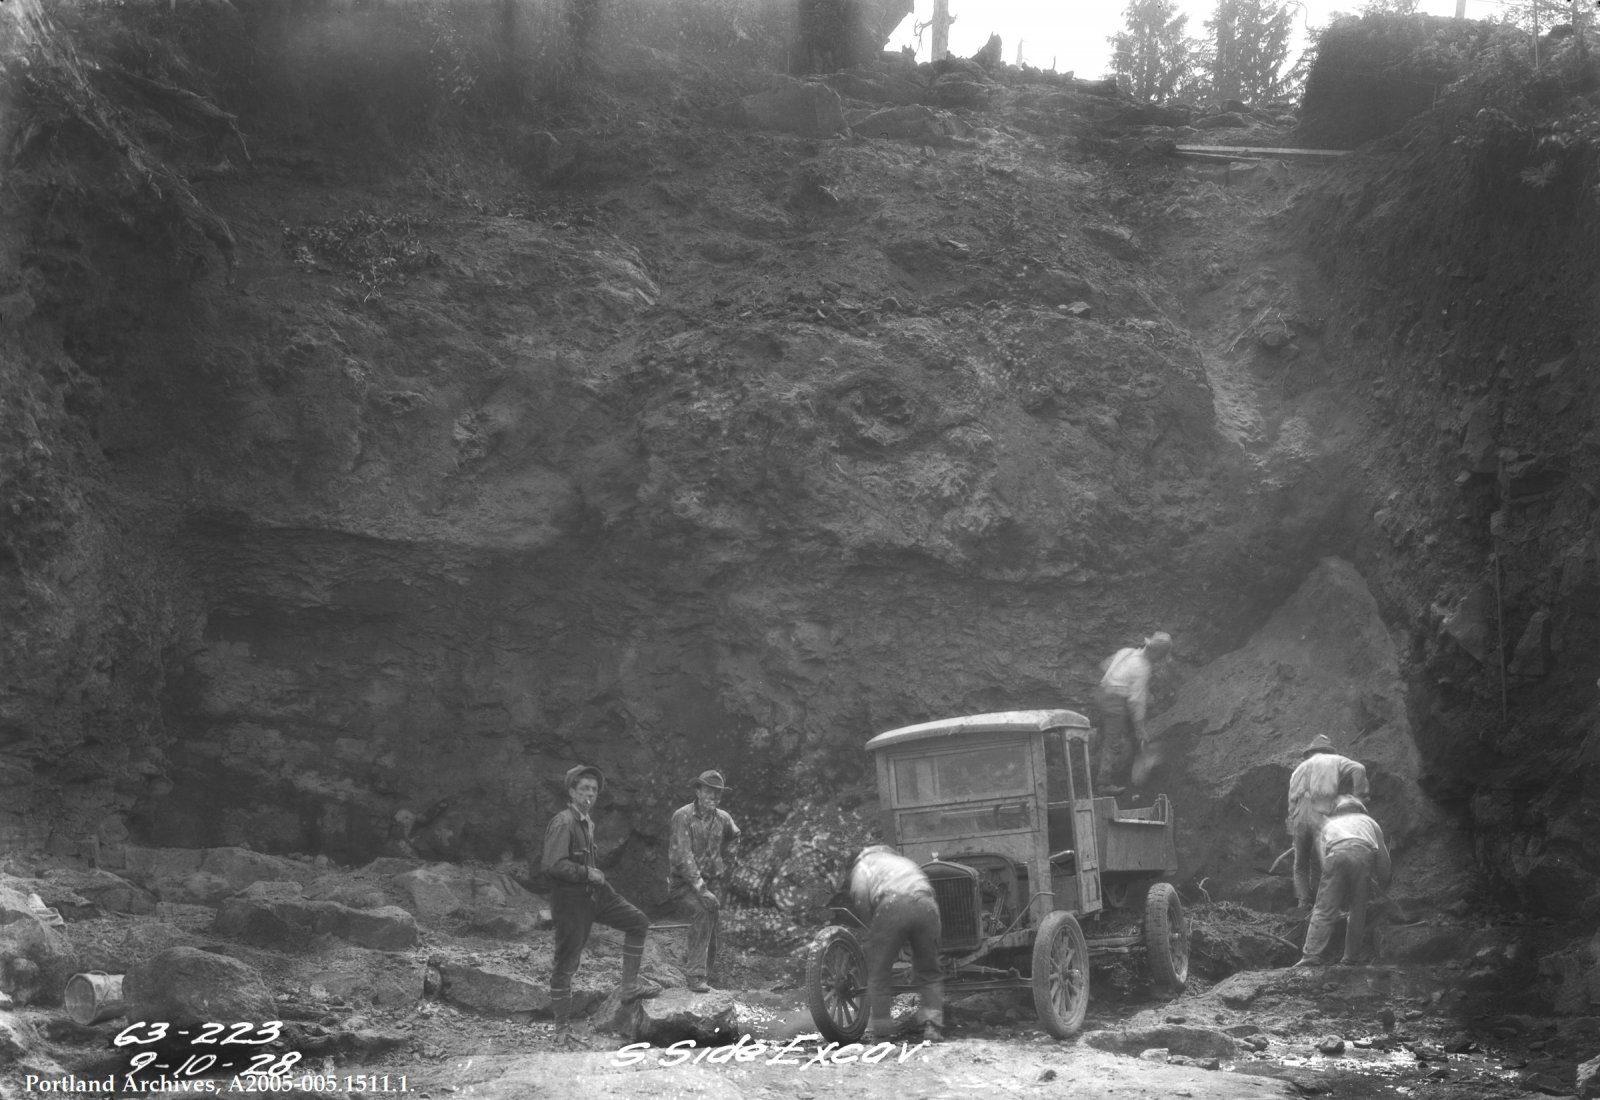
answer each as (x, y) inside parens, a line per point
(702, 845)
(1321, 777)
(1354, 858)
(1121, 699)
(581, 896)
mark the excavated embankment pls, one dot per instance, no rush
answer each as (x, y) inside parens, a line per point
(394, 469)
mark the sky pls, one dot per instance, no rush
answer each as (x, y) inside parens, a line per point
(1073, 33)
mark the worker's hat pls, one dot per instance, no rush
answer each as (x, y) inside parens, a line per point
(1349, 804)
(1319, 743)
(710, 778)
(575, 774)
(1160, 640)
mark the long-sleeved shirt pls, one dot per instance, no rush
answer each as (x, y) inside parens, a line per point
(881, 874)
(1128, 675)
(700, 845)
(569, 847)
(1314, 786)
(1360, 828)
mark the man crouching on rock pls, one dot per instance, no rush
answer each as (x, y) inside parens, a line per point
(1354, 857)
(580, 896)
(892, 897)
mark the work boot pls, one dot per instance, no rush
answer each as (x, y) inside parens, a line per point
(931, 1033)
(637, 990)
(633, 987)
(1308, 962)
(699, 985)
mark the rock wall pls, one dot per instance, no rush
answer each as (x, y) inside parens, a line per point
(387, 500)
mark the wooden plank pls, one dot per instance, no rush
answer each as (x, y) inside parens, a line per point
(1259, 151)
(1223, 156)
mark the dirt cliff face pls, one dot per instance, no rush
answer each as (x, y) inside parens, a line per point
(630, 436)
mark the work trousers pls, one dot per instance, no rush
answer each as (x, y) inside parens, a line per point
(899, 919)
(700, 958)
(1346, 881)
(1307, 834)
(1117, 745)
(574, 910)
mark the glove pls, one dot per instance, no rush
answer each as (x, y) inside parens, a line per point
(596, 876)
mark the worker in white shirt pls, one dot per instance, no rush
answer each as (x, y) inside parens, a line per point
(1354, 859)
(1122, 699)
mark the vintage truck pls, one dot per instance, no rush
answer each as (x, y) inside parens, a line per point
(999, 811)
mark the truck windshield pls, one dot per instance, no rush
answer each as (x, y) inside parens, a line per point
(967, 773)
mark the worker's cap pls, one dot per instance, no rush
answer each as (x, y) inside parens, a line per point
(1349, 804)
(1160, 641)
(1319, 743)
(575, 774)
(712, 779)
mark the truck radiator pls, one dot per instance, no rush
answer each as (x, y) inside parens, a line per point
(959, 911)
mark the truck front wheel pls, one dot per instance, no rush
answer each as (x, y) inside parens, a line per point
(1061, 974)
(836, 985)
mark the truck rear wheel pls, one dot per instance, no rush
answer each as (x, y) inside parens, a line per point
(1166, 937)
(1061, 974)
(836, 985)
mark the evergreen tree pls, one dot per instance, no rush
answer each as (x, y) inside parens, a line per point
(1249, 45)
(1153, 56)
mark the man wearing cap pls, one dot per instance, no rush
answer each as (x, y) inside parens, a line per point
(703, 840)
(1121, 699)
(1354, 858)
(580, 896)
(892, 897)
(1314, 786)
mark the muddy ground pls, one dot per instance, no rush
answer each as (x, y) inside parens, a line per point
(1246, 1026)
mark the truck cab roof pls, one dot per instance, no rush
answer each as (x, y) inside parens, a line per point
(1007, 721)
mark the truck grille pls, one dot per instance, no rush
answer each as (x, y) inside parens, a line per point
(958, 911)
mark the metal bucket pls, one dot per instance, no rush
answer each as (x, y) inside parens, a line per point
(93, 997)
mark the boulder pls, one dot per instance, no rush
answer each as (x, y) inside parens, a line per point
(1324, 663)
(443, 890)
(100, 889)
(35, 959)
(1588, 1087)
(795, 107)
(269, 913)
(913, 123)
(204, 876)
(387, 928)
(184, 985)
(357, 895)
(1193, 1042)
(504, 923)
(710, 1019)
(492, 990)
